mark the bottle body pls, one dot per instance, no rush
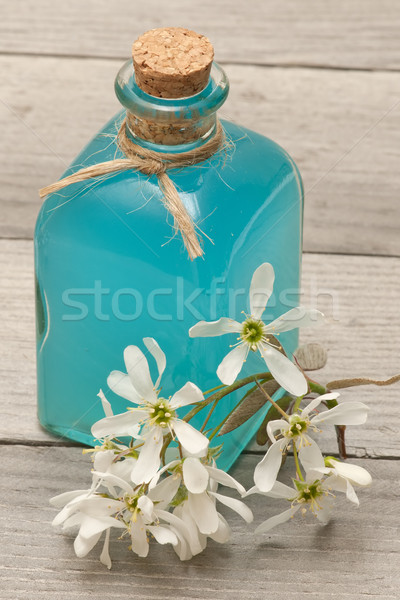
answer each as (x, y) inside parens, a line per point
(109, 273)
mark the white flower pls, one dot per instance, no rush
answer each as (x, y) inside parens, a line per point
(104, 455)
(296, 429)
(93, 514)
(131, 508)
(312, 495)
(195, 501)
(154, 414)
(347, 475)
(254, 335)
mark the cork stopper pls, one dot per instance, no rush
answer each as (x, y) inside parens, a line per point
(172, 62)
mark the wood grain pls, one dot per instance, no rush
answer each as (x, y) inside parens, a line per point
(351, 558)
(357, 337)
(357, 34)
(340, 127)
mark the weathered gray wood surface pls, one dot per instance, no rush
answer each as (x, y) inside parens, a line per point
(358, 294)
(340, 121)
(338, 33)
(341, 127)
(356, 556)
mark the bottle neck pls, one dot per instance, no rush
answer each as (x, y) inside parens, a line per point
(170, 137)
(171, 125)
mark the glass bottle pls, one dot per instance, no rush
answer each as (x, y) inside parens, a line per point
(109, 272)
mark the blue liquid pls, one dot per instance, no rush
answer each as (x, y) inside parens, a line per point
(109, 274)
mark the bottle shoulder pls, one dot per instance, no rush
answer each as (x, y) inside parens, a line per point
(256, 145)
(250, 171)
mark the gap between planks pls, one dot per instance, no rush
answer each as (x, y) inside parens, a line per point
(234, 63)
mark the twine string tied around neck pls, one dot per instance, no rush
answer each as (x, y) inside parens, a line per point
(150, 163)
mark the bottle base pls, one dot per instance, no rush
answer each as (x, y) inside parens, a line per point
(68, 434)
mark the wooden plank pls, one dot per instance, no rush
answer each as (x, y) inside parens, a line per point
(359, 34)
(333, 124)
(355, 556)
(359, 295)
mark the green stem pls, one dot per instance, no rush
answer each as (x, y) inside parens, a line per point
(297, 404)
(213, 405)
(219, 427)
(296, 460)
(228, 389)
(214, 389)
(274, 404)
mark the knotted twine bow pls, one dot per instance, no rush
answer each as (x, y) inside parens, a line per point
(153, 163)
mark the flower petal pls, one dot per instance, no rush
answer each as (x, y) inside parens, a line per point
(63, 515)
(294, 319)
(188, 394)
(225, 479)
(123, 468)
(223, 533)
(353, 473)
(310, 456)
(149, 458)
(146, 507)
(279, 490)
(351, 494)
(103, 459)
(231, 365)
(140, 545)
(284, 371)
(324, 513)
(182, 548)
(203, 511)
(163, 492)
(237, 505)
(277, 520)
(277, 425)
(163, 535)
(261, 287)
(62, 499)
(114, 480)
(121, 385)
(91, 526)
(83, 546)
(139, 374)
(311, 406)
(347, 413)
(108, 411)
(267, 470)
(316, 401)
(123, 424)
(186, 530)
(158, 355)
(191, 439)
(334, 482)
(195, 475)
(99, 507)
(214, 328)
(105, 558)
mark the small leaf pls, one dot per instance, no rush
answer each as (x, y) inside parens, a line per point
(272, 415)
(311, 357)
(253, 401)
(346, 383)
